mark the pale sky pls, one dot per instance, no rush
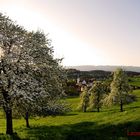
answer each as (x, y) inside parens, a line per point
(84, 32)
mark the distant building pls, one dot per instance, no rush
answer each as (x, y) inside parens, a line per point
(84, 82)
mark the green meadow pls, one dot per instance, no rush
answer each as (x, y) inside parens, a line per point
(109, 124)
(134, 81)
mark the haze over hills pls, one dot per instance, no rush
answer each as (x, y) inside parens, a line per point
(105, 68)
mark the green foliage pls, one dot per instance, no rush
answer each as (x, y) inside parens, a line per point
(84, 100)
(119, 89)
(71, 89)
(97, 92)
(87, 75)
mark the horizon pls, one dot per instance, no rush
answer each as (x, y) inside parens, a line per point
(104, 68)
(106, 65)
(103, 65)
(92, 32)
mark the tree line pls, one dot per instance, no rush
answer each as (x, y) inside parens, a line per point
(99, 94)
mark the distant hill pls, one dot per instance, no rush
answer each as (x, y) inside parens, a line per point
(104, 68)
(94, 74)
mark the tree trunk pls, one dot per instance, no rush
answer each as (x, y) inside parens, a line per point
(98, 109)
(7, 108)
(121, 106)
(27, 120)
(84, 108)
(8, 113)
(9, 123)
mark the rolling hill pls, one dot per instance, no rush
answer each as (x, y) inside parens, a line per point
(104, 68)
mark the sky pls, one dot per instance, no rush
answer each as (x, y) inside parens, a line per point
(83, 32)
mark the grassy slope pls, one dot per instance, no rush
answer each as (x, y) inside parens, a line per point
(135, 81)
(109, 124)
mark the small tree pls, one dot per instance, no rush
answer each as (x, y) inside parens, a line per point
(84, 99)
(97, 92)
(119, 89)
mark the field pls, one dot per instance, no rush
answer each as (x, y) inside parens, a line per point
(109, 124)
(135, 81)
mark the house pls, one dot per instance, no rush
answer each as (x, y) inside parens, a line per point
(83, 83)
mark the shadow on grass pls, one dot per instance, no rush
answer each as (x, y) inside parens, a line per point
(9, 137)
(80, 131)
(69, 114)
(117, 109)
(85, 131)
(132, 107)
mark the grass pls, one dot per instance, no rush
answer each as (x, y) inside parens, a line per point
(134, 81)
(109, 124)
